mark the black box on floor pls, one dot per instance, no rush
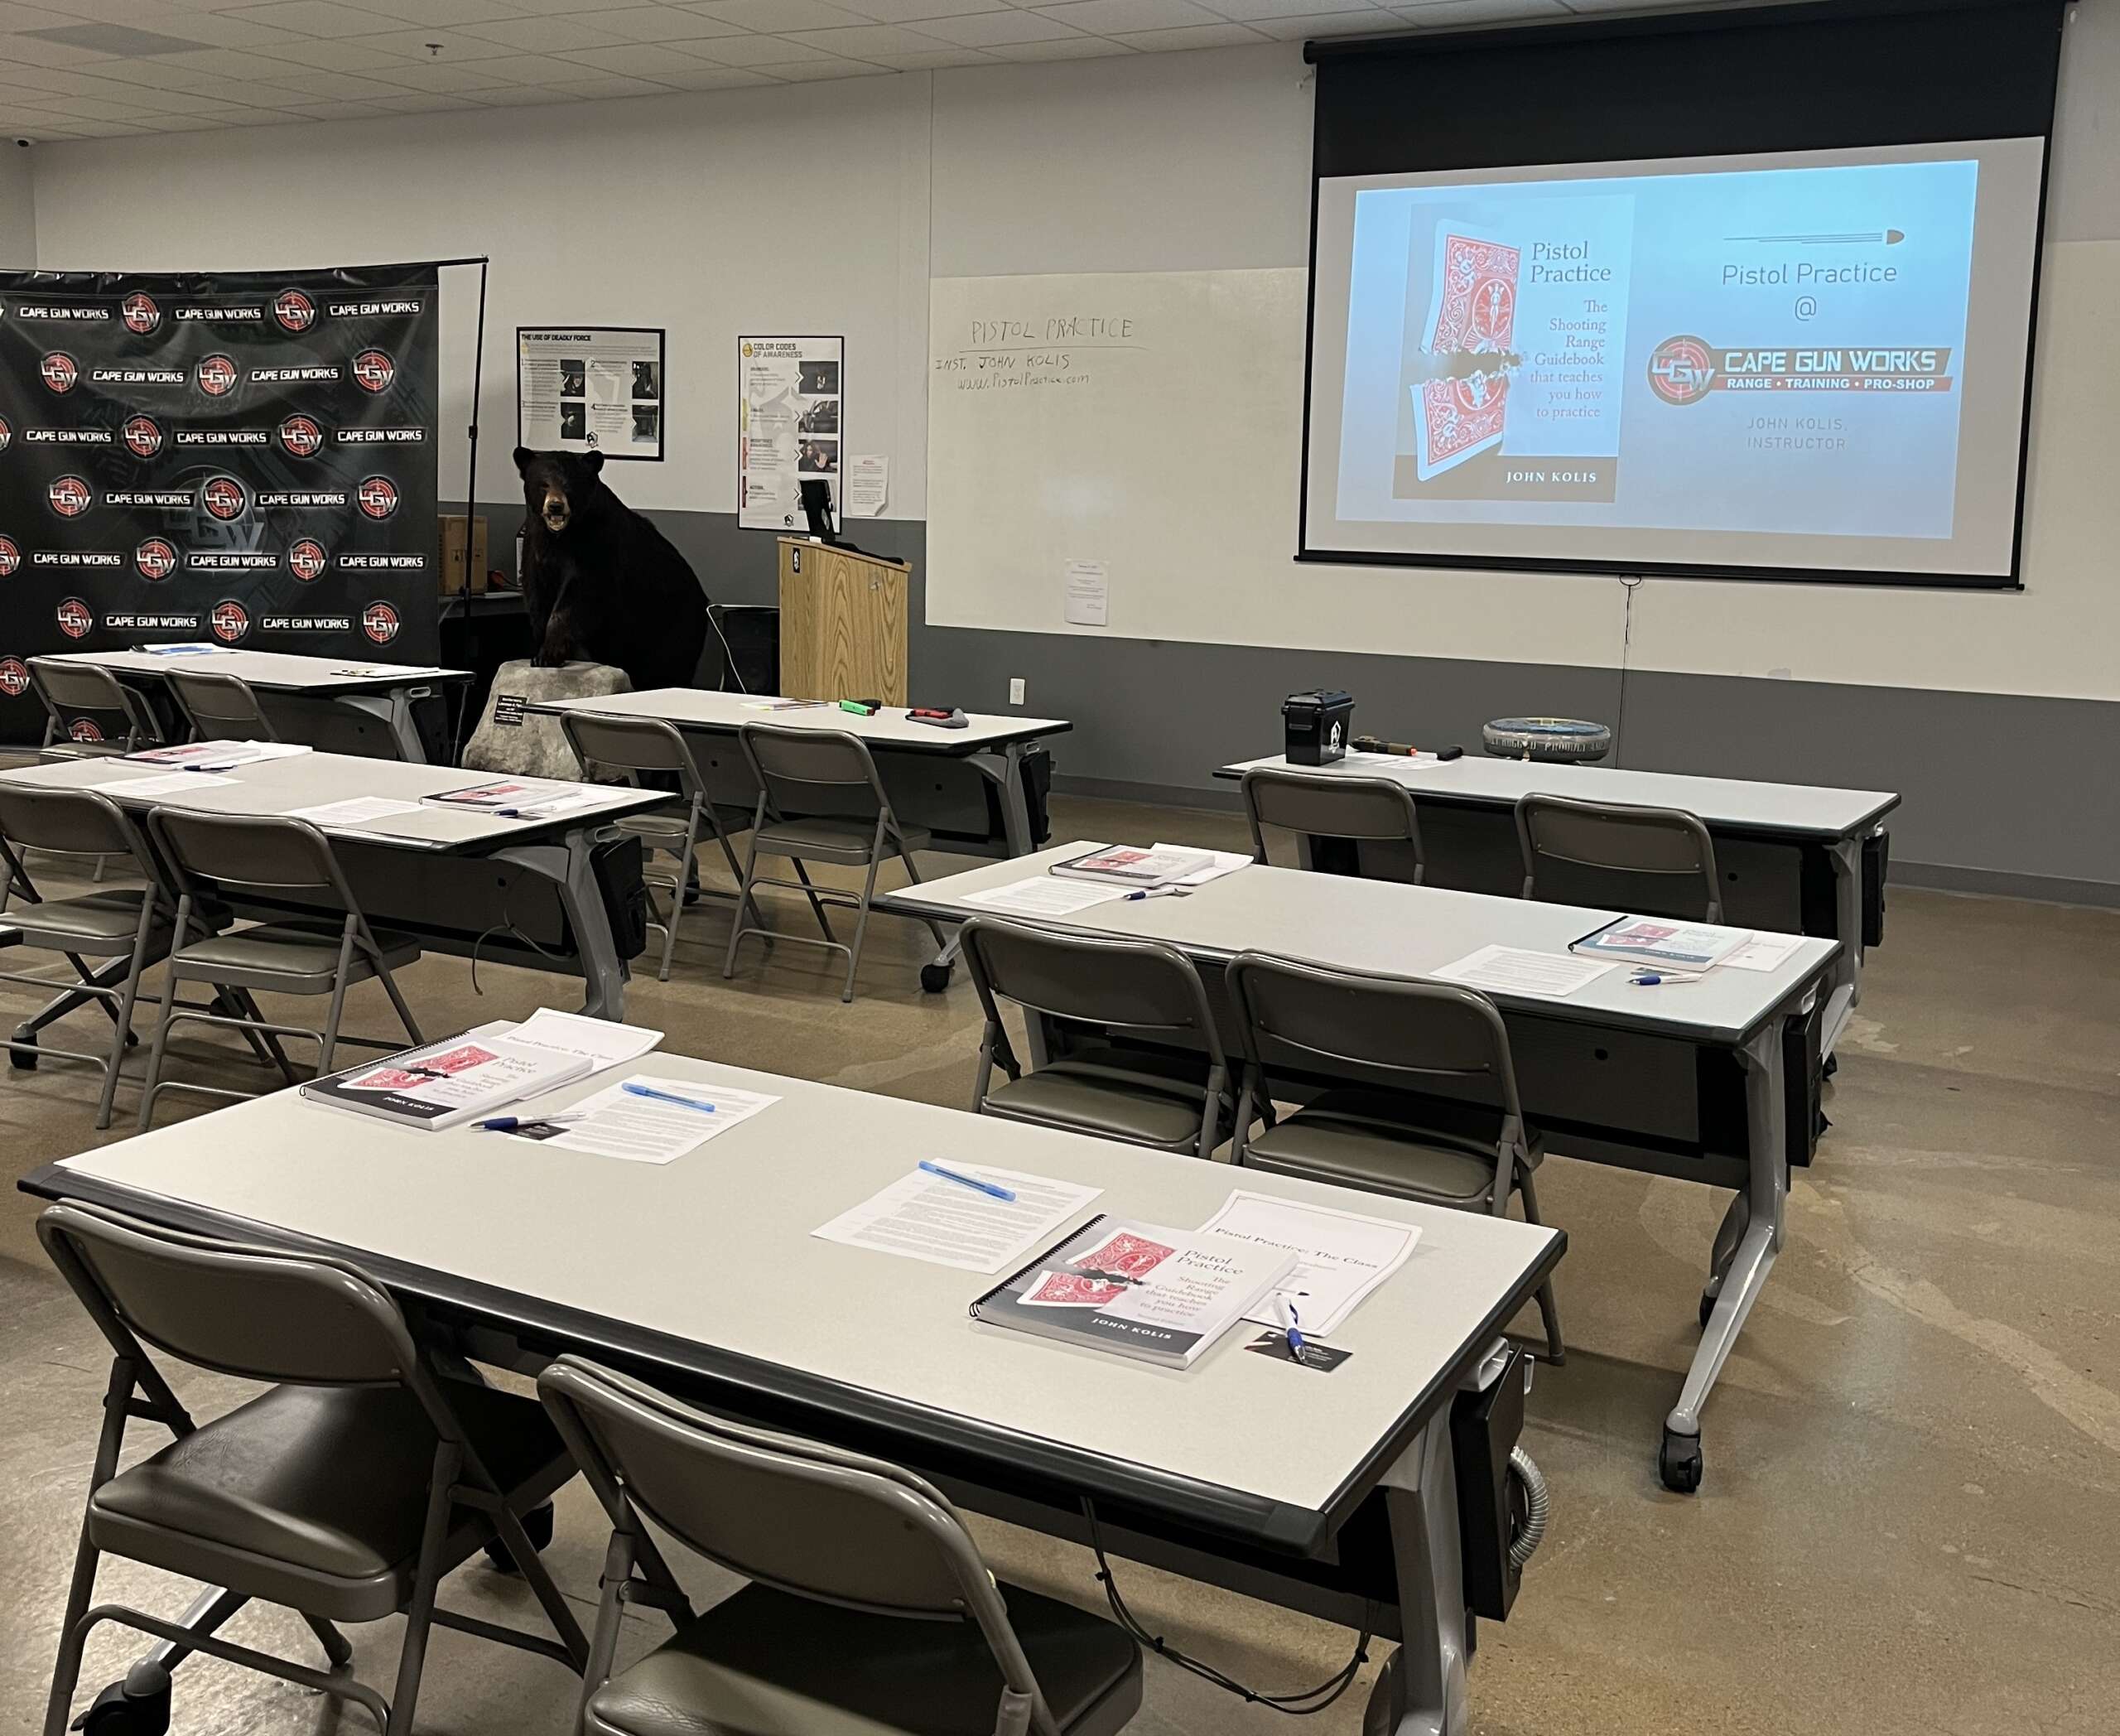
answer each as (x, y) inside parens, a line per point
(1316, 727)
(1484, 1427)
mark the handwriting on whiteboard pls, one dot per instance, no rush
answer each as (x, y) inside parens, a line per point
(1008, 355)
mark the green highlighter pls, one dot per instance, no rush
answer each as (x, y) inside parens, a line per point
(859, 708)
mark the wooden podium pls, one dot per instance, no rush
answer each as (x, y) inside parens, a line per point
(842, 624)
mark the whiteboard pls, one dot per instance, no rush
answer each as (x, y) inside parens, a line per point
(1146, 422)
(1150, 424)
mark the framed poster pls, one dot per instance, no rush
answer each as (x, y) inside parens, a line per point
(790, 425)
(590, 388)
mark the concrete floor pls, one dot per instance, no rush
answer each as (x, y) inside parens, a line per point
(1913, 1492)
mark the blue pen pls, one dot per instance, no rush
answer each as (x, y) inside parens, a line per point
(1649, 979)
(1159, 892)
(1294, 1330)
(968, 1181)
(632, 1089)
(509, 1123)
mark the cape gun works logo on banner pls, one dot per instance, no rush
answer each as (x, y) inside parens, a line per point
(137, 376)
(155, 558)
(58, 371)
(75, 619)
(294, 310)
(377, 496)
(144, 436)
(14, 676)
(11, 557)
(217, 375)
(380, 622)
(307, 560)
(230, 620)
(223, 498)
(69, 496)
(302, 437)
(140, 314)
(373, 371)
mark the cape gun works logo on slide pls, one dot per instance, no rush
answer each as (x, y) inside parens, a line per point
(1681, 370)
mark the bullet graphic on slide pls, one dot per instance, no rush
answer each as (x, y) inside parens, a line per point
(1890, 238)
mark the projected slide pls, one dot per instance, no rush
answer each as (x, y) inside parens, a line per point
(1811, 364)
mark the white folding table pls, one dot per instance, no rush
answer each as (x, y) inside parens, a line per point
(431, 874)
(1692, 1080)
(1336, 1494)
(374, 690)
(1795, 858)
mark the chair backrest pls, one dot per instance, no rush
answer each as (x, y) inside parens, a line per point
(248, 1312)
(631, 745)
(1371, 809)
(1426, 1036)
(221, 707)
(267, 853)
(73, 693)
(68, 823)
(1146, 987)
(1659, 861)
(804, 771)
(797, 1515)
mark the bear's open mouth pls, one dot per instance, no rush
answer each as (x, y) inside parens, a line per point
(556, 515)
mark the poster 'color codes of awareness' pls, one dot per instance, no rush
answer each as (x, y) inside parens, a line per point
(590, 388)
(244, 458)
(790, 410)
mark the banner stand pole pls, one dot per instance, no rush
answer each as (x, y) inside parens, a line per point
(470, 495)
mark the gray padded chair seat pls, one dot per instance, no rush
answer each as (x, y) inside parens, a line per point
(767, 1664)
(97, 919)
(1353, 1137)
(293, 949)
(1114, 1093)
(329, 1481)
(817, 835)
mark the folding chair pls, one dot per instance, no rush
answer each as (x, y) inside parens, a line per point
(1444, 1124)
(345, 1493)
(1659, 861)
(285, 861)
(220, 707)
(650, 746)
(1171, 1100)
(1365, 810)
(88, 712)
(128, 928)
(820, 800)
(869, 1608)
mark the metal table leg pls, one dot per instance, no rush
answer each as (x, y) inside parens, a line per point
(566, 865)
(1421, 1690)
(1845, 990)
(395, 709)
(1752, 1237)
(1005, 770)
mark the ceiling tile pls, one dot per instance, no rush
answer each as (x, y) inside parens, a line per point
(540, 35)
(1373, 22)
(341, 55)
(1068, 48)
(637, 59)
(1109, 17)
(413, 45)
(166, 102)
(29, 52)
(245, 93)
(523, 96)
(443, 12)
(306, 18)
(441, 77)
(857, 43)
(803, 72)
(1448, 14)
(1243, 12)
(92, 108)
(549, 8)
(333, 86)
(983, 30)
(934, 61)
(778, 15)
(529, 69)
(31, 17)
(703, 77)
(749, 51)
(601, 89)
(212, 63)
(1190, 36)
(338, 111)
(907, 12)
(662, 24)
(425, 103)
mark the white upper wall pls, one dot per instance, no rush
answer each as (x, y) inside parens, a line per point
(828, 207)
(17, 206)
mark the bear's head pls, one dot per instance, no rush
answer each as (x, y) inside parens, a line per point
(558, 488)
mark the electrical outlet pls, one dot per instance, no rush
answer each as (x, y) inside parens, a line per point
(1015, 690)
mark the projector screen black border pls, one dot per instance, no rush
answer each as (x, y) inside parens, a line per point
(1968, 69)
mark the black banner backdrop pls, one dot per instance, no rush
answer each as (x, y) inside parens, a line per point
(247, 459)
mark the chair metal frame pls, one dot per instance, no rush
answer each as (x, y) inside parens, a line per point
(190, 686)
(1515, 1152)
(461, 1490)
(1670, 821)
(194, 888)
(994, 1048)
(889, 839)
(699, 809)
(575, 1390)
(1262, 782)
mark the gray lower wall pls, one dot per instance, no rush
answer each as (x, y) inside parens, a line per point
(2003, 792)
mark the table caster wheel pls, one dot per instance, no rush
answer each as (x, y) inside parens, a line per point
(536, 1526)
(137, 1706)
(1707, 1307)
(21, 1060)
(934, 978)
(1678, 1462)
